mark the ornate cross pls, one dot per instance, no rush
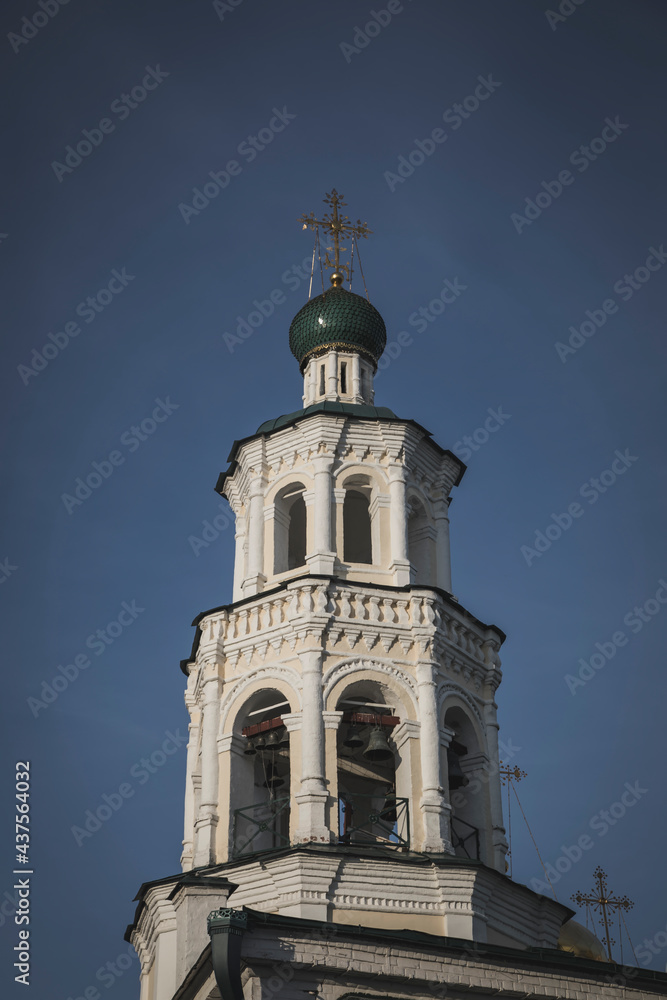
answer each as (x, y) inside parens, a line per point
(336, 226)
(602, 902)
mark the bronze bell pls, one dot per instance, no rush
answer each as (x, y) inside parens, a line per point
(378, 749)
(272, 740)
(260, 742)
(273, 779)
(388, 813)
(284, 739)
(457, 778)
(353, 739)
(250, 749)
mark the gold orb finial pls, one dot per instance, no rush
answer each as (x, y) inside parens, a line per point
(336, 278)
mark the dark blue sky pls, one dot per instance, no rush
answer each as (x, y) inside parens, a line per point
(158, 335)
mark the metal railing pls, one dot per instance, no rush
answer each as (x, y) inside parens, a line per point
(378, 820)
(263, 826)
(465, 839)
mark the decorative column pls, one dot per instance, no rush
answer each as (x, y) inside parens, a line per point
(254, 582)
(406, 738)
(310, 383)
(239, 557)
(322, 559)
(192, 753)
(332, 375)
(207, 821)
(235, 778)
(356, 380)
(399, 526)
(434, 806)
(499, 844)
(443, 557)
(313, 796)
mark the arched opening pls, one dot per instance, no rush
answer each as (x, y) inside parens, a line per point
(468, 799)
(357, 539)
(289, 528)
(296, 533)
(370, 811)
(421, 543)
(261, 776)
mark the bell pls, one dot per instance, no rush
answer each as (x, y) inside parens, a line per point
(250, 749)
(260, 742)
(353, 740)
(273, 779)
(378, 749)
(457, 778)
(388, 813)
(272, 740)
(284, 739)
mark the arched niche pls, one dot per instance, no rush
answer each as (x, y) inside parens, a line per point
(421, 542)
(463, 760)
(359, 537)
(290, 536)
(373, 773)
(260, 774)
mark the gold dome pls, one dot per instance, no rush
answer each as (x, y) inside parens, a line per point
(578, 940)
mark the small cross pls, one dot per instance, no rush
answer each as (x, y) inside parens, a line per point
(508, 773)
(602, 902)
(337, 226)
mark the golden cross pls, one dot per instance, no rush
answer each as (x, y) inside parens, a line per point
(603, 901)
(336, 225)
(508, 773)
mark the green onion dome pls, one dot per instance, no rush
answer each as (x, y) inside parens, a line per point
(338, 319)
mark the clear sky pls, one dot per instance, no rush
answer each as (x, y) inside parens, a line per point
(540, 200)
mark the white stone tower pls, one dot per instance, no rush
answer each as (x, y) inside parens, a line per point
(342, 766)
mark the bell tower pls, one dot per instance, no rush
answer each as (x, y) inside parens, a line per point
(342, 764)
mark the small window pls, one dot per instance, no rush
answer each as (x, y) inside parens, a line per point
(364, 383)
(357, 545)
(322, 385)
(343, 378)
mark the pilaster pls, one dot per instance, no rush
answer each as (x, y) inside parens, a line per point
(207, 820)
(434, 806)
(313, 795)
